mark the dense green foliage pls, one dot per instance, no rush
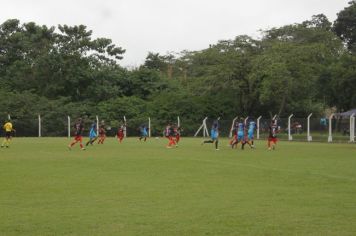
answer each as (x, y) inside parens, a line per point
(55, 72)
(145, 189)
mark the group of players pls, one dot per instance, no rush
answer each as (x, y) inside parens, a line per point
(242, 130)
(243, 133)
(93, 136)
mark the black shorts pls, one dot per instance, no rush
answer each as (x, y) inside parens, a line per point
(8, 134)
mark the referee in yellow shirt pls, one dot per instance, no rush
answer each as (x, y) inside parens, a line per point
(8, 129)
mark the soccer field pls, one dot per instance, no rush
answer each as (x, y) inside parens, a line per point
(138, 188)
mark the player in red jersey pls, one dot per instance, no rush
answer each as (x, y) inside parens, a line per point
(79, 127)
(121, 133)
(102, 134)
(169, 134)
(272, 138)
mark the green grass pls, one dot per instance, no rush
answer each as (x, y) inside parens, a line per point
(145, 189)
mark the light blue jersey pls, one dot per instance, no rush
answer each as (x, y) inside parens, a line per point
(240, 130)
(251, 130)
(214, 133)
(144, 132)
(92, 132)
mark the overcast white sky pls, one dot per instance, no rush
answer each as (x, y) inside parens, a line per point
(140, 26)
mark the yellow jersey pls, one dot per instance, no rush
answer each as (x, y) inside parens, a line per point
(8, 127)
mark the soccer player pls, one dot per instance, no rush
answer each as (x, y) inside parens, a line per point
(250, 134)
(234, 133)
(102, 134)
(169, 133)
(272, 138)
(143, 133)
(120, 133)
(214, 133)
(240, 134)
(8, 129)
(92, 134)
(78, 127)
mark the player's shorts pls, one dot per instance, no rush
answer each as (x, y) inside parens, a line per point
(274, 140)
(240, 135)
(78, 138)
(144, 134)
(250, 135)
(8, 134)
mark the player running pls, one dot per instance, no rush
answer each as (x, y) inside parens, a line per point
(102, 134)
(92, 134)
(120, 133)
(8, 130)
(79, 128)
(234, 133)
(169, 134)
(214, 133)
(272, 138)
(240, 128)
(250, 134)
(143, 133)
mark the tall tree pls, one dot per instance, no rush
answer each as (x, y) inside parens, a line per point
(345, 25)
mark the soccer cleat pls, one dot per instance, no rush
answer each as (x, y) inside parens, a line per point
(274, 148)
(83, 149)
(269, 149)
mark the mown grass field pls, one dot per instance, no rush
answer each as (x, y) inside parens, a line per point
(138, 188)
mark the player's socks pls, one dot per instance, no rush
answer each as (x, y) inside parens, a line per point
(216, 145)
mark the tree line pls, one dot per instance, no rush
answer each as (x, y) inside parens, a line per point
(58, 71)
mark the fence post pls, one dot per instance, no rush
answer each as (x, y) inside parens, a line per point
(178, 121)
(97, 124)
(290, 138)
(309, 137)
(352, 128)
(39, 125)
(149, 126)
(203, 126)
(258, 127)
(125, 135)
(330, 138)
(68, 126)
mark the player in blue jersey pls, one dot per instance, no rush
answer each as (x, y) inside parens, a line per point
(92, 134)
(240, 130)
(214, 134)
(250, 133)
(143, 133)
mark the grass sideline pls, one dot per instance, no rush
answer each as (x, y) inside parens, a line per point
(145, 189)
